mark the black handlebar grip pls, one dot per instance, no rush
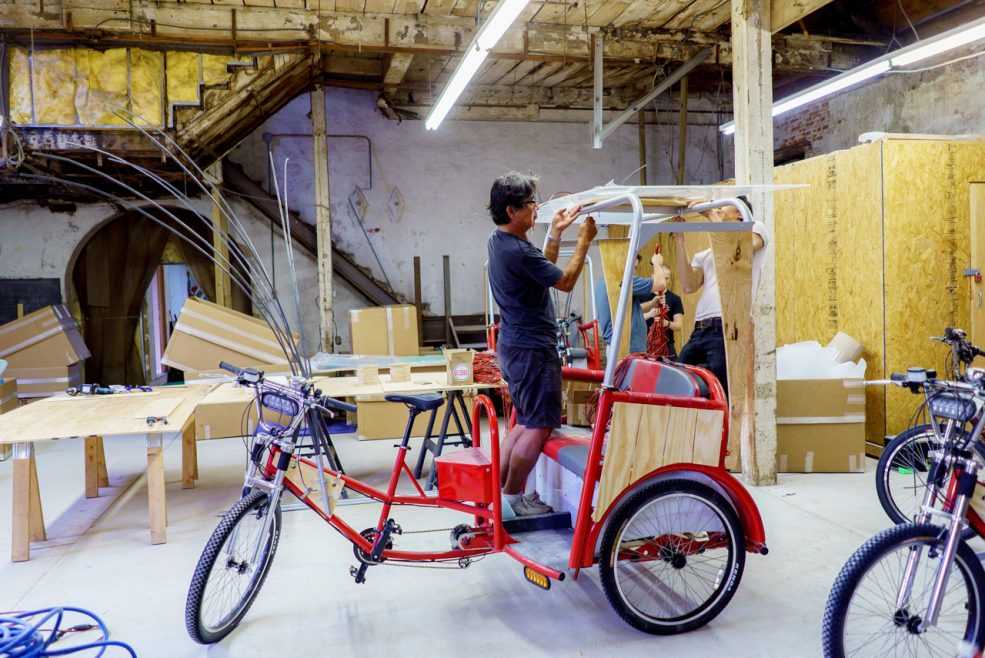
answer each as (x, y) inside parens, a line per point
(337, 404)
(898, 377)
(230, 367)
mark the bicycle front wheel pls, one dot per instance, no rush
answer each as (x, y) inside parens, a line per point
(232, 568)
(865, 617)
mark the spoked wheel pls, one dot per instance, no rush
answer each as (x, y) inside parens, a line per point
(672, 557)
(232, 568)
(865, 616)
(901, 475)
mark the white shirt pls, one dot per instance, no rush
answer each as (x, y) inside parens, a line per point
(710, 301)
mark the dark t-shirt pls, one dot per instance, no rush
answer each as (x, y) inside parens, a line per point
(521, 279)
(674, 306)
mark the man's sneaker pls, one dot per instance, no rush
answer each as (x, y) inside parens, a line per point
(534, 497)
(526, 506)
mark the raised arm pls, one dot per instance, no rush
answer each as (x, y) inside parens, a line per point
(572, 270)
(691, 279)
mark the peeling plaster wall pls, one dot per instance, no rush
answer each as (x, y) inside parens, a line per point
(428, 190)
(949, 100)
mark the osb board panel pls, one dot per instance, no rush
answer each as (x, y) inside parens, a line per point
(54, 87)
(927, 214)
(828, 249)
(976, 331)
(20, 87)
(102, 88)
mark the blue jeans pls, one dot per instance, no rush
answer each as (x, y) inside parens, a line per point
(706, 349)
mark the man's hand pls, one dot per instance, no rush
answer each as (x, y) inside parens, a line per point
(588, 230)
(563, 219)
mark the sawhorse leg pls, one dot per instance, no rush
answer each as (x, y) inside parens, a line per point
(189, 455)
(454, 397)
(95, 466)
(156, 495)
(28, 519)
(428, 444)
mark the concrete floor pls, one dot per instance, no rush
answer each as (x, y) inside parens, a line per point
(98, 557)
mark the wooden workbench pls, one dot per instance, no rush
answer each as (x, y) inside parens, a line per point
(92, 418)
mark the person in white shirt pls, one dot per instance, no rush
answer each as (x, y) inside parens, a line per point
(706, 347)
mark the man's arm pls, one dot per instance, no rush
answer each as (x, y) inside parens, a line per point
(691, 279)
(569, 277)
(677, 324)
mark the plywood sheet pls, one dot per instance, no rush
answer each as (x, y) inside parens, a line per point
(54, 87)
(614, 253)
(708, 437)
(680, 436)
(651, 442)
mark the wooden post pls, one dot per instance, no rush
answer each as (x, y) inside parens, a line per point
(682, 132)
(323, 214)
(752, 86)
(641, 125)
(27, 523)
(95, 466)
(220, 236)
(189, 455)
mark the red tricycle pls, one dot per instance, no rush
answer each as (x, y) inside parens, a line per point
(654, 506)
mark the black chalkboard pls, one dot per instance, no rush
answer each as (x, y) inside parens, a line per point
(32, 293)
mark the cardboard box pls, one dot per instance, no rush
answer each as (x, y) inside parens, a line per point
(227, 411)
(577, 395)
(385, 330)
(820, 426)
(207, 333)
(48, 337)
(45, 382)
(8, 395)
(459, 364)
(378, 419)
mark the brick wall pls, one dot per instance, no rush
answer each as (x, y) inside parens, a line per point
(805, 126)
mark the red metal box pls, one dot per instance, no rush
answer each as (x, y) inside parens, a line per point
(465, 475)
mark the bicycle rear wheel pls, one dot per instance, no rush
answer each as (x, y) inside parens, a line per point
(901, 475)
(232, 568)
(863, 618)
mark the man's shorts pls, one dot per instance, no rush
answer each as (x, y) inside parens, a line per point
(533, 375)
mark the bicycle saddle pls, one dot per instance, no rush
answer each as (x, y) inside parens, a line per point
(423, 401)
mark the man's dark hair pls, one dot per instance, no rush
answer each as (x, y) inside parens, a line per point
(745, 199)
(510, 190)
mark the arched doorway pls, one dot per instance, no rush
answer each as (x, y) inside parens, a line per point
(111, 275)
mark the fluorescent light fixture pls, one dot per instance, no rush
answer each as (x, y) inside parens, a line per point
(486, 38)
(915, 52)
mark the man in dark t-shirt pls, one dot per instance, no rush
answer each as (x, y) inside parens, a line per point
(521, 277)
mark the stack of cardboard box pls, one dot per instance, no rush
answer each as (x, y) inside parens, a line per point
(385, 330)
(207, 333)
(44, 350)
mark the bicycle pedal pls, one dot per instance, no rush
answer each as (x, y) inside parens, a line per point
(395, 527)
(358, 574)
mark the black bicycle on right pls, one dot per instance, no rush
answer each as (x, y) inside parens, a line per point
(901, 474)
(917, 589)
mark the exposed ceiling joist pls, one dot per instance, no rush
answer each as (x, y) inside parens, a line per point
(397, 69)
(787, 12)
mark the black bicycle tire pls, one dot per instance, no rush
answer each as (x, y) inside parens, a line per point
(722, 595)
(196, 591)
(867, 556)
(889, 453)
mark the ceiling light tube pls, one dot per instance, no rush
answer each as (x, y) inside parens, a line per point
(915, 52)
(492, 30)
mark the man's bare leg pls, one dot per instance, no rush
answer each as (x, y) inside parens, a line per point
(506, 449)
(523, 456)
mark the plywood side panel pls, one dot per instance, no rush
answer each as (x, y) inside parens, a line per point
(614, 252)
(927, 214)
(680, 436)
(651, 440)
(708, 437)
(618, 465)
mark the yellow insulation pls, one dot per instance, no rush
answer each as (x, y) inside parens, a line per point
(214, 69)
(103, 86)
(54, 87)
(147, 94)
(183, 77)
(20, 87)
